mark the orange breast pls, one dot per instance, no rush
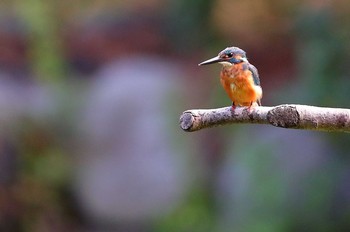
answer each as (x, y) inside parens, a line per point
(239, 85)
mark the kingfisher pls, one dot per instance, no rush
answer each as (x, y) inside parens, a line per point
(239, 78)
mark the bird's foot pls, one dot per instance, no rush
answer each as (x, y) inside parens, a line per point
(251, 106)
(233, 106)
(249, 109)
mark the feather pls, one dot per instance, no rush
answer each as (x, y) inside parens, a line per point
(255, 74)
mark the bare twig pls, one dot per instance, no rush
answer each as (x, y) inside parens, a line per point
(286, 116)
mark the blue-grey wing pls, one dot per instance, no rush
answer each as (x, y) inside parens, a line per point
(255, 74)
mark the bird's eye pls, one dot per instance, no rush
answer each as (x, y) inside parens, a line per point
(230, 54)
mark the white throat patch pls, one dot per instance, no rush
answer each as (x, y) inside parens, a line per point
(225, 63)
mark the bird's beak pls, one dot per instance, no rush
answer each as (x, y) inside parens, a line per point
(211, 61)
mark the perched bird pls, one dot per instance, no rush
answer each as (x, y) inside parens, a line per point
(239, 78)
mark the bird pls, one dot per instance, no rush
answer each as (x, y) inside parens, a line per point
(239, 78)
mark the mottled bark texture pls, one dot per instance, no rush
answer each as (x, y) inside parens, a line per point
(285, 116)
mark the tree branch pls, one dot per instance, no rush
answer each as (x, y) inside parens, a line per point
(285, 116)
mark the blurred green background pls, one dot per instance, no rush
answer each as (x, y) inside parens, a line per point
(91, 93)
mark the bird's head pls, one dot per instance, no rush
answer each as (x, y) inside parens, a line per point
(227, 57)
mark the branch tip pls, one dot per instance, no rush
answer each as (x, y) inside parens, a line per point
(186, 121)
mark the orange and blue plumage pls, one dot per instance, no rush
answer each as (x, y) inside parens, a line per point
(239, 78)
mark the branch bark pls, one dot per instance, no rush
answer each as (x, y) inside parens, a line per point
(285, 116)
